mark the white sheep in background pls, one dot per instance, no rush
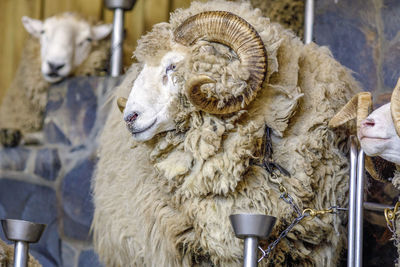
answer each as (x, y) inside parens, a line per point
(197, 111)
(378, 132)
(59, 46)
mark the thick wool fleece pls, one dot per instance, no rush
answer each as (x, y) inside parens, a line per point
(166, 202)
(7, 256)
(24, 103)
(396, 183)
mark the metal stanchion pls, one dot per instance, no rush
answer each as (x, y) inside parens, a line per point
(22, 233)
(352, 201)
(251, 228)
(119, 6)
(359, 209)
(356, 205)
(308, 21)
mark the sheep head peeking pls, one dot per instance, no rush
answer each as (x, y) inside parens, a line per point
(65, 42)
(163, 82)
(378, 135)
(377, 132)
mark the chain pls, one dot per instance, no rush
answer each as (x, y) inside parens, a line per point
(390, 216)
(270, 167)
(288, 199)
(300, 215)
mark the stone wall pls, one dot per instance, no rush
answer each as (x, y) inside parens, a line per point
(50, 183)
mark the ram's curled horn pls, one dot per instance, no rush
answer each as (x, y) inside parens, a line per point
(121, 102)
(395, 107)
(358, 107)
(233, 31)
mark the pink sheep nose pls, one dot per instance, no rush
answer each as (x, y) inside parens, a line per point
(131, 117)
(368, 122)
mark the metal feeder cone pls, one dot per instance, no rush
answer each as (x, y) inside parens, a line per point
(22, 233)
(251, 228)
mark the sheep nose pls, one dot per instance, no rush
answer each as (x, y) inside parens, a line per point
(54, 67)
(131, 117)
(368, 122)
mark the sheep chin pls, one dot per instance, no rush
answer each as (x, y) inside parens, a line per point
(53, 79)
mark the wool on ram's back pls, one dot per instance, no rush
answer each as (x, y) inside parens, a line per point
(23, 105)
(167, 201)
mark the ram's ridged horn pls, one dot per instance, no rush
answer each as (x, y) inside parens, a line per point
(121, 102)
(395, 107)
(233, 31)
(358, 107)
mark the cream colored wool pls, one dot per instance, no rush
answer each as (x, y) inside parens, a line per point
(7, 256)
(166, 202)
(396, 239)
(24, 103)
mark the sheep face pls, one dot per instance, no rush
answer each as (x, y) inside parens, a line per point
(65, 42)
(230, 82)
(378, 136)
(150, 107)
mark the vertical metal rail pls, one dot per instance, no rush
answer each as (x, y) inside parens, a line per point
(116, 43)
(21, 254)
(308, 21)
(250, 252)
(117, 38)
(352, 202)
(359, 210)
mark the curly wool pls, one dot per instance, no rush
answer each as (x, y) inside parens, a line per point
(24, 103)
(396, 238)
(166, 202)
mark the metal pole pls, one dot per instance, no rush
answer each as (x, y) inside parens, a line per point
(116, 42)
(359, 210)
(308, 21)
(352, 201)
(250, 252)
(376, 206)
(21, 254)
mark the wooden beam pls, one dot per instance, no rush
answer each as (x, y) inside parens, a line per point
(13, 36)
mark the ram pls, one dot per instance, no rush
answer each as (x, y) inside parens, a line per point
(378, 135)
(60, 46)
(218, 90)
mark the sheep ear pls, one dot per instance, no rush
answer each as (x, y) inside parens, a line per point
(101, 31)
(33, 26)
(121, 102)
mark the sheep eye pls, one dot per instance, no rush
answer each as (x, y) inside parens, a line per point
(42, 32)
(170, 67)
(89, 39)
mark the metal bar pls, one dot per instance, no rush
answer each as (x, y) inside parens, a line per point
(359, 210)
(250, 252)
(352, 201)
(21, 254)
(376, 206)
(116, 43)
(308, 21)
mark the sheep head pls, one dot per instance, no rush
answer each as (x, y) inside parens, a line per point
(65, 42)
(169, 77)
(377, 132)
